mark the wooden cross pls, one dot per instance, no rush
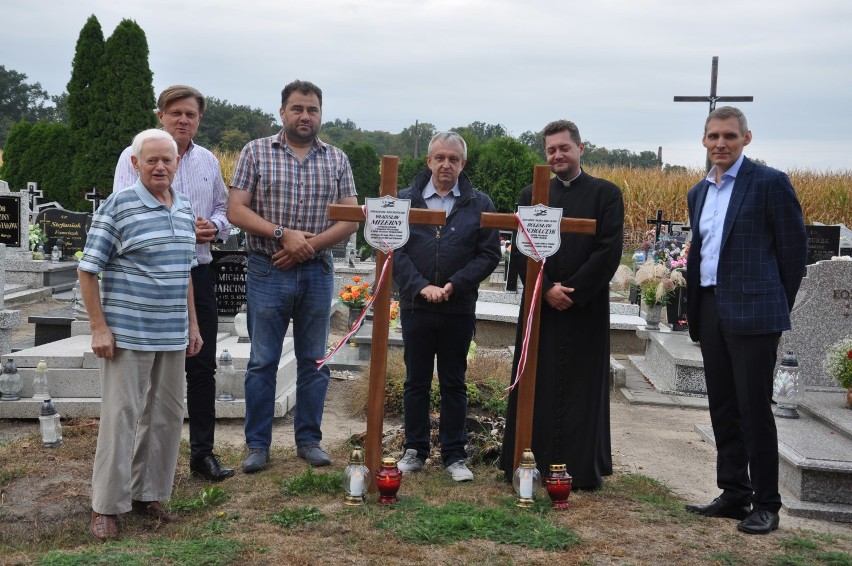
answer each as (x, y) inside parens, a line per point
(35, 194)
(526, 386)
(381, 311)
(658, 223)
(713, 98)
(95, 197)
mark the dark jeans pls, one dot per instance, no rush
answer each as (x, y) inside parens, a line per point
(738, 370)
(201, 368)
(428, 335)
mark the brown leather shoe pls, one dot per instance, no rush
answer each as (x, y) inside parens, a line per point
(102, 527)
(153, 510)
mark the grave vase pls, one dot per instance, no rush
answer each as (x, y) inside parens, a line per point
(354, 313)
(652, 317)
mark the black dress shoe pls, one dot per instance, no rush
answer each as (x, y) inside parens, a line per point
(759, 522)
(721, 508)
(209, 469)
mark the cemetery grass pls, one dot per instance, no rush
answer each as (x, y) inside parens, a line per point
(291, 514)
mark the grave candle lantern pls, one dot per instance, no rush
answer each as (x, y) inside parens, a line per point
(558, 486)
(356, 478)
(388, 479)
(526, 480)
(225, 376)
(786, 388)
(40, 385)
(51, 427)
(10, 382)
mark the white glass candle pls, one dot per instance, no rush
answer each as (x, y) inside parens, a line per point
(356, 484)
(526, 489)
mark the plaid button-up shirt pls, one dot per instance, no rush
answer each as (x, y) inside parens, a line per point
(290, 192)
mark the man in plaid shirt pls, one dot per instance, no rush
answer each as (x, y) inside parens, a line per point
(281, 188)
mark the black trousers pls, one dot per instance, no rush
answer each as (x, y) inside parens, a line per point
(201, 368)
(739, 369)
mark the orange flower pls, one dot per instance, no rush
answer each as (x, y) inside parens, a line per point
(356, 279)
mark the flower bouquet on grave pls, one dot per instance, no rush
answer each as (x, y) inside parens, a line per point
(355, 296)
(838, 365)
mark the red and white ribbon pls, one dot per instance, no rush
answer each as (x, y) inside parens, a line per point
(522, 361)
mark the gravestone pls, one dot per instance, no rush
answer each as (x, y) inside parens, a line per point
(821, 316)
(230, 267)
(10, 220)
(72, 227)
(9, 319)
(823, 242)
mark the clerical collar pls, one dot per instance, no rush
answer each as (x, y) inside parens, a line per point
(567, 184)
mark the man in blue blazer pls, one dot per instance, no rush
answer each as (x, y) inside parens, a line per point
(745, 264)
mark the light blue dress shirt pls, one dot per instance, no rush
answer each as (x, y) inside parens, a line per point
(434, 201)
(712, 220)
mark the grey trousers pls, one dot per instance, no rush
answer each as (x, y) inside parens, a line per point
(141, 420)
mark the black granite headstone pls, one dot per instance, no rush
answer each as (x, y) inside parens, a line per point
(823, 242)
(230, 267)
(70, 227)
(10, 221)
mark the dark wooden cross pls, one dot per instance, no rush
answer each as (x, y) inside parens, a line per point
(713, 98)
(381, 311)
(35, 194)
(658, 223)
(95, 197)
(526, 386)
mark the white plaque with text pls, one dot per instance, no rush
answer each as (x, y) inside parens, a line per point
(542, 224)
(387, 223)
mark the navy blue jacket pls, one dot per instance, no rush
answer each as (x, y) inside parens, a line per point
(460, 252)
(763, 255)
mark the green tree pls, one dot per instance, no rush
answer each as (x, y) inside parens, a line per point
(20, 100)
(414, 140)
(230, 126)
(534, 141)
(16, 144)
(40, 153)
(503, 167)
(409, 167)
(124, 108)
(482, 131)
(365, 164)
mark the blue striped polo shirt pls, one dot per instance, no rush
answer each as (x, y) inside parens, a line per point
(145, 252)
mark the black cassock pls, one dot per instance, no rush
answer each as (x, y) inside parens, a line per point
(571, 413)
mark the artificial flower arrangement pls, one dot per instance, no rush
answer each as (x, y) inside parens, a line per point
(37, 237)
(394, 314)
(355, 296)
(659, 276)
(838, 362)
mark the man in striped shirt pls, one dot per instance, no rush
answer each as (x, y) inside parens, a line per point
(199, 177)
(143, 326)
(280, 192)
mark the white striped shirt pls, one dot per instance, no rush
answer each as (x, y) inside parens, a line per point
(145, 252)
(199, 177)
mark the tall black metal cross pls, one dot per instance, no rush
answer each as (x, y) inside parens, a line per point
(95, 197)
(713, 98)
(35, 194)
(658, 222)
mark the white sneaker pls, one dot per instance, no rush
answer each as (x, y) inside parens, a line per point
(459, 471)
(410, 462)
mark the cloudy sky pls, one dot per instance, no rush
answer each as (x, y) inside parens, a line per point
(612, 66)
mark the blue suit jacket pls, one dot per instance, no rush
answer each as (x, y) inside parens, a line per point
(763, 253)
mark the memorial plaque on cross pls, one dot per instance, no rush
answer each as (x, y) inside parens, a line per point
(95, 197)
(526, 385)
(658, 223)
(381, 311)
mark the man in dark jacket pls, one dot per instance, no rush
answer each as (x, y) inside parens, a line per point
(438, 272)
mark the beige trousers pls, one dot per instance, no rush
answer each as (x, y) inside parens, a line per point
(141, 420)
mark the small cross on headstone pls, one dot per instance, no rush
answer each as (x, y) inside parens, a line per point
(658, 222)
(95, 197)
(35, 194)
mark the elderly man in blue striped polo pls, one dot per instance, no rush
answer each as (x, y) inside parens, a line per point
(199, 177)
(143, 325)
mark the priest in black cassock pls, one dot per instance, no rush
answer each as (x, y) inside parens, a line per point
(571, 413)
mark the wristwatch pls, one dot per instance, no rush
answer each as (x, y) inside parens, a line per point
(278, 233)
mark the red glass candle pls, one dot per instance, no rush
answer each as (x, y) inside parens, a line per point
(558, 485)
(388, 478)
